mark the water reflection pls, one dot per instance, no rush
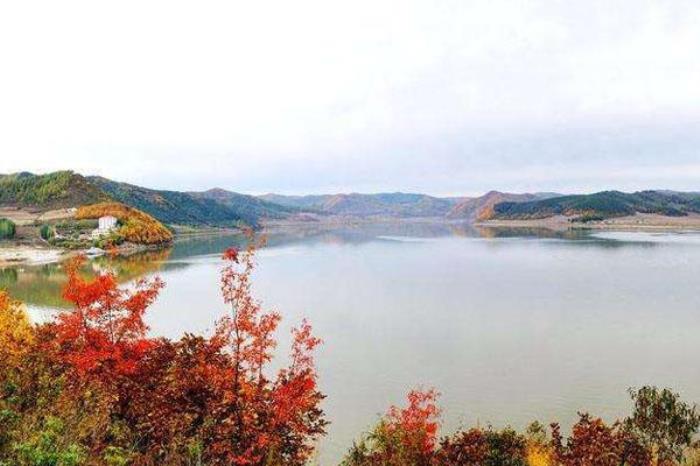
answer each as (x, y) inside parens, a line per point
(41, 285)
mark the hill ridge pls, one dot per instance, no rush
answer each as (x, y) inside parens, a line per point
(603, 204)
(390, 204)
(219, 207)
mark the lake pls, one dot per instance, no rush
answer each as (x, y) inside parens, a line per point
(509, 325)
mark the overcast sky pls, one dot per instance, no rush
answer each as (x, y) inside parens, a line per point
(445, 97)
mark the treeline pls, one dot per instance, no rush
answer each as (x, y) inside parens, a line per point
(92, 388)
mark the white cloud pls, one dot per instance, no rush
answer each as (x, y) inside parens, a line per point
(342, 94)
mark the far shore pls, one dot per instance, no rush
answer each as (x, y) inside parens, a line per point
(638, 222)
(15, 252)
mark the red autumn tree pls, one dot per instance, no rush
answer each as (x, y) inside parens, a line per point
(263, 419)
(210, 400)
(594, 443)
(105, 332)
(296, 399)
(418, 422)
(403, 436)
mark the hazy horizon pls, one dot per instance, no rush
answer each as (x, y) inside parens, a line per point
(449, 98)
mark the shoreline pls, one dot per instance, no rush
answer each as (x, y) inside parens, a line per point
(23, 253)
(31, 255)
(637, 222)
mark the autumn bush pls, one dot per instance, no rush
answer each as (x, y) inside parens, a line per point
(136, 226)
(593, 442)
(403, 436)
(660, 432)
(92, 388)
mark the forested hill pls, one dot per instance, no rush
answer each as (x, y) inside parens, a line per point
(400, 205)
(52, 191)
(481, 208)
(66, 189)
(221, 208)
(182, 208)
(604, 204)
(249, 208)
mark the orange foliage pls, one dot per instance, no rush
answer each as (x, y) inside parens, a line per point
(105, 331)
(281, 416)
(404, 436)
(193, 401)
(137, 227)
(15, 331)
(418, 422)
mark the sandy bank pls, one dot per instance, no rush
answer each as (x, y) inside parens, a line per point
(29, 255)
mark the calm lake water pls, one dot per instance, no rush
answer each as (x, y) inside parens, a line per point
(509, 325)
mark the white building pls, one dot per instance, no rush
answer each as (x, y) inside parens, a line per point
(105, 226)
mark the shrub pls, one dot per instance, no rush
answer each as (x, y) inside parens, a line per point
(402, 437)
(539, 448)
(68, 243)
(663, 422)
(7, 229)
(594, 443)
(15, 332)
(483, 447)
(109, 241)
(47, 232)
(45, 448)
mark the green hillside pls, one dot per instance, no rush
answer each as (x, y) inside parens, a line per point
(51, 191)
(68, 189)
(245, 206)
(604, 204)
(181, 208)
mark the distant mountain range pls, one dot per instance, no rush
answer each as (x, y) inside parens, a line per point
(402, 205)
(601, 205)
(222, 208)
